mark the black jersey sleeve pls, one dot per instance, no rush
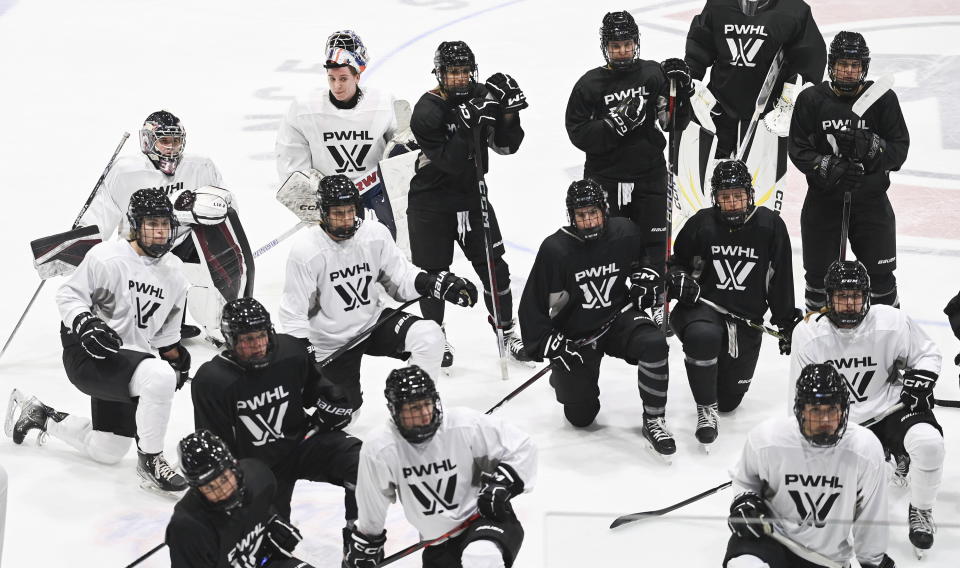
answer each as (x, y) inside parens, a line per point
(952, 310)
(892, 130)
(191, 544)
(780, 294)
(802, 146)
(682, 259)
(807, 53)
(507, 135)
(700, 53)
(213, 407)
(585, 130)
(543, 288)
(429, 126)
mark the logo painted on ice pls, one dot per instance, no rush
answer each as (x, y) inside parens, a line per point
(732, 277)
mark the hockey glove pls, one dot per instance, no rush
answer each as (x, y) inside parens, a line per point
(447, 286)
(205, 206)
(478, 113)
(645, 288)
(333, 410)
(96, 337)
(840, 174)
(496, 490)
(786, 332)
(678, 70)
(364, 551)
(627, 115)
(504, 88)
(746, 516)
(180, 364)
(885, 562)
(280, 538)
(562, 352)
(859, 144)
(683, 287)
(917, 393)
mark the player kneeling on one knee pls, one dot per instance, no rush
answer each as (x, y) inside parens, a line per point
(430, 458)
(227, 517)
(805, 480)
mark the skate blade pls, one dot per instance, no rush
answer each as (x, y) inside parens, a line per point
(919, 552)
(705, 448)
(667, 459)
(150, 487)
(12, 405)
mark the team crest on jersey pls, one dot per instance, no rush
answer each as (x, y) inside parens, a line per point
(169, 189)
(732, 273)
(599, 283)
(857, 380)
(146, 307)
(744, 42)
(244, 553)
(264, 417)
(352, 285)
(813, 507)
(625, 94)
(435, 496)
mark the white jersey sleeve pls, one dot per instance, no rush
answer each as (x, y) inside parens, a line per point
(292, 147)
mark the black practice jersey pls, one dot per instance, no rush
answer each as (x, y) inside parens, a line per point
(611, 157)
(258, 413)
(745, 270)
(200, 536)
(819, 112)
(739, 49)
(577, 286)
(445, 177)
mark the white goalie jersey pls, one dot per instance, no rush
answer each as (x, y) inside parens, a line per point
(438, 481)
(868, 357)
(814, 493)
(316, 134)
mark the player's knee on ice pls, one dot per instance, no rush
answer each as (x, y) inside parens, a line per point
(107, 447)
(729, 401)
(482, 554)
(583, 414)
(883, 290)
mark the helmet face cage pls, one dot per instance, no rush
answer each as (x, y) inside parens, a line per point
(587, 193)
(732, 174)
(163, 124)
(822, 385)
(407, 385)
(847, 275)
(203, 458)
(848, 45)
(619, 26)
(346, 41)
(246, 315)
(454, 54)
(339, 190)
(751, 7)
(151, 203)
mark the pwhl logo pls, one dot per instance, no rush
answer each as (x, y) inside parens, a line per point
(596, 290)
(244, 553)
(265, 425)
(353, 292)
(434, 496)
(743, 48)
(813, 510)
(857, 381)
(732, 276)
(349, 158)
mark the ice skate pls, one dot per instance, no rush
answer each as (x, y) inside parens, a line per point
(922, 529)
(26, 413)
(447, 360)
(707, 430)
(158, 476)
(901, 471)
(659, 440)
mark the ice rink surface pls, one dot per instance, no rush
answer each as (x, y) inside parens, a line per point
(78, 74)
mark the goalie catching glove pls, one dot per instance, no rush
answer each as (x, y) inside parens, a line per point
(206, 205)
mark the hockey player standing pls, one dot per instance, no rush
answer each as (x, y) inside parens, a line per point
(738, 41)
(227, 519)
(342, 129)
(254, 396)
(839, 151)
(612, 115)
(328, 297)
(804, 478)
(572, 311)
(121, 312)
(443, 206)
(871, 346)
(445, 465)
(736, 255)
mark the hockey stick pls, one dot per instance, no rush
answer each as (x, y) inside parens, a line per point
(762, 98)
(947, 403)
(672, 154)
(740, 319)
(148, 554)
(365, 334)
(488, 245)
(425, 543)
(279, 239)
(76, 223)
(845, 225)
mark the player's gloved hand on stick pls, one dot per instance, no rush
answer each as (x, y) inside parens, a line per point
(885, 562)
(786, 332)
(562, 352)
(746, 516)
(96, 337)
(627, 115)
(333, 409)
(280, 539)
(180, 362)
(858, 144)
(917, 393)
(478, 113)
(677, 70)
(447, 286)
(840, 173)
(683, 287)
(363, 550)
(645, 287)
(206, 205)
(504, 88)
(496, 490)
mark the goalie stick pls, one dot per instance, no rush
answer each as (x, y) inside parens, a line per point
(762, 98)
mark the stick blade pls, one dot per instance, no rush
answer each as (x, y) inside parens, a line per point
(619, 521)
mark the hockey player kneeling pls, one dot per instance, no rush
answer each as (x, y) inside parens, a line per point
(226, 519)
(572, 311)
(806, 479)
(446, 466)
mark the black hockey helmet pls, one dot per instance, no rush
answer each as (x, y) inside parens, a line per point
(732, 174)
(203, 458)
(848, 45)
(822, 385)
(412, 384)
(455, 54)
(163, 124)
(847, 275)
(246, 315)
(751, 7)
(152, 203)
(339, 190)
(587, 193)
(345, 48)
(619, 26)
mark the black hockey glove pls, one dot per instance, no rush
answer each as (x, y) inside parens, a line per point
(478, 113)
(496, 490)
(333, 410)
(885, 562)
(364, 551)
(562, 352)
(840, 173)
(280, 538)
(646, 286)
(447, 286)
(683, 287)
(678, 70)
(504, 88)
(746, 516)
(786, 332)
(627, 115)
(96, 337)
(917, 393)
(181, 364)
(858, 144)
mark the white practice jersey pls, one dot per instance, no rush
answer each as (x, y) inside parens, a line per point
(869, 356)
(139, 297)
(328, 293)
(316, 134)
(108, 210)
(438, 481)
(813, 493)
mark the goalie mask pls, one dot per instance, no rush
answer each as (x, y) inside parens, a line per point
(248, 333)
(414, 403)
(345, 48)
(455, 68)
(152, 221)
(733, 207)
(822, 405)
(583, 194)
(848, 280)
(619, 26)
(162, 139)
(204, 458)
(334, 195)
